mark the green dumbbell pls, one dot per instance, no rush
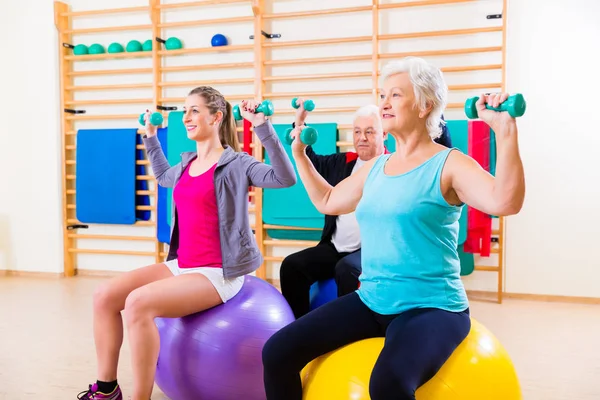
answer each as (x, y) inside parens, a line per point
(155, 119)
(515, 105)
(266, 107)
(308, 136)
(309, 105)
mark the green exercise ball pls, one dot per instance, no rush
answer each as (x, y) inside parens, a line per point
(147, 46)
(133, 46)
(173, 43)
(115, 48)
(96, 49)
(80, 50)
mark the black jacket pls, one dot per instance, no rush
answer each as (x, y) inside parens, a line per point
(334, 168)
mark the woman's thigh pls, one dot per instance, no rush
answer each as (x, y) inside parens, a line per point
(417, 344)
(333, 325)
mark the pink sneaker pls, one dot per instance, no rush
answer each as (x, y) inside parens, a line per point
(93, 394)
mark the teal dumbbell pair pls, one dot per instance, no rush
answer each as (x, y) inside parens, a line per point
(266, 107)
(309, 135)
(515, 105)
(155, 119)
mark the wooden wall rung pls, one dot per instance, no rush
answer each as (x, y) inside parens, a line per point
(451, 32)
(109, 101)
(273, 258)
(299, 43)
(213, 82)
(107, 11)
(108, 56)
(229, 98)
(206, 66)
(420, 3)
(110, 237)
(216, 49)
(312, 13)
(340, 75)
(109, 29)
(182, 24)
(198, 3)
(133, 117)
(110, 87)
(115, 252)
(486, 268)
(448, 52)
(323, 94)
(111, 72)
(291, 243)
(320, 60)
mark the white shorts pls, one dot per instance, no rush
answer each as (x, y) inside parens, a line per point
(227, 288)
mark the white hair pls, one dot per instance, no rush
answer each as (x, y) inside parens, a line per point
(429, 87)
(370, 110)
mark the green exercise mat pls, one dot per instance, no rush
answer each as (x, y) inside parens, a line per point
(292, 206)
(177, 143)
(467, 261)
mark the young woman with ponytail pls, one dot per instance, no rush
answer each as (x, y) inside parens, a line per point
(206, 262)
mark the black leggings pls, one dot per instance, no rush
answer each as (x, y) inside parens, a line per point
(417, 343)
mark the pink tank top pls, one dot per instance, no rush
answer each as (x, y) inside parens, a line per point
(198, 220)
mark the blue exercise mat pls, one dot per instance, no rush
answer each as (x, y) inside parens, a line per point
(106, 176)
(163, 215)
(292, 206)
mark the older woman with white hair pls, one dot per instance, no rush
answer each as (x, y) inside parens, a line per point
(407, 205)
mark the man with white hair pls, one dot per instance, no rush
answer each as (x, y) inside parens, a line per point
(337, 255)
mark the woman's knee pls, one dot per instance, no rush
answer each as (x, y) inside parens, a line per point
(137, 306)
(107, 299)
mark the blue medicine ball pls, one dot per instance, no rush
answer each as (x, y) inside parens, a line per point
(219, 40)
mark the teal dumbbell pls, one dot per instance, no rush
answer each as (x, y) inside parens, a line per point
(266, 107)
(515, 105)
(155, 119)
(309, 105)
(308, 136)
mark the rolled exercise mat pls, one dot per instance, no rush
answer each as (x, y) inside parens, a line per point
(105, 171)
(479, 230)
(163, 214)
(459, 134)
(292, 206)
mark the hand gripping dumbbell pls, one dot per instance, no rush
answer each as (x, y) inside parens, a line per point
(515, 105)
(309, 105)
(155, 119)
(266, 107)
(308, 136)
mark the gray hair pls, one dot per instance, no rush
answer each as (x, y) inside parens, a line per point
(429, 87)
(370, 110)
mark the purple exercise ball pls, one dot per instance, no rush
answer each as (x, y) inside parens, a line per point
(217, 354)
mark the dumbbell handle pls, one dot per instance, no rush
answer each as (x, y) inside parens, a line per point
(515, 105)
(266, 107)
(155, 119)
(309, 105)
(308, 136)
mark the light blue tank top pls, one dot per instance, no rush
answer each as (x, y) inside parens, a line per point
(409, 237)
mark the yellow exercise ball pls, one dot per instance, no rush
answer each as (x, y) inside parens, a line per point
(479, 369)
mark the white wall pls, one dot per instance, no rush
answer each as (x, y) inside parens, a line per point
(549, 59)
(30, 230)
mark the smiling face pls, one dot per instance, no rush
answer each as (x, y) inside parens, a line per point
(368, 137)
(398, 108)
(199, 122)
